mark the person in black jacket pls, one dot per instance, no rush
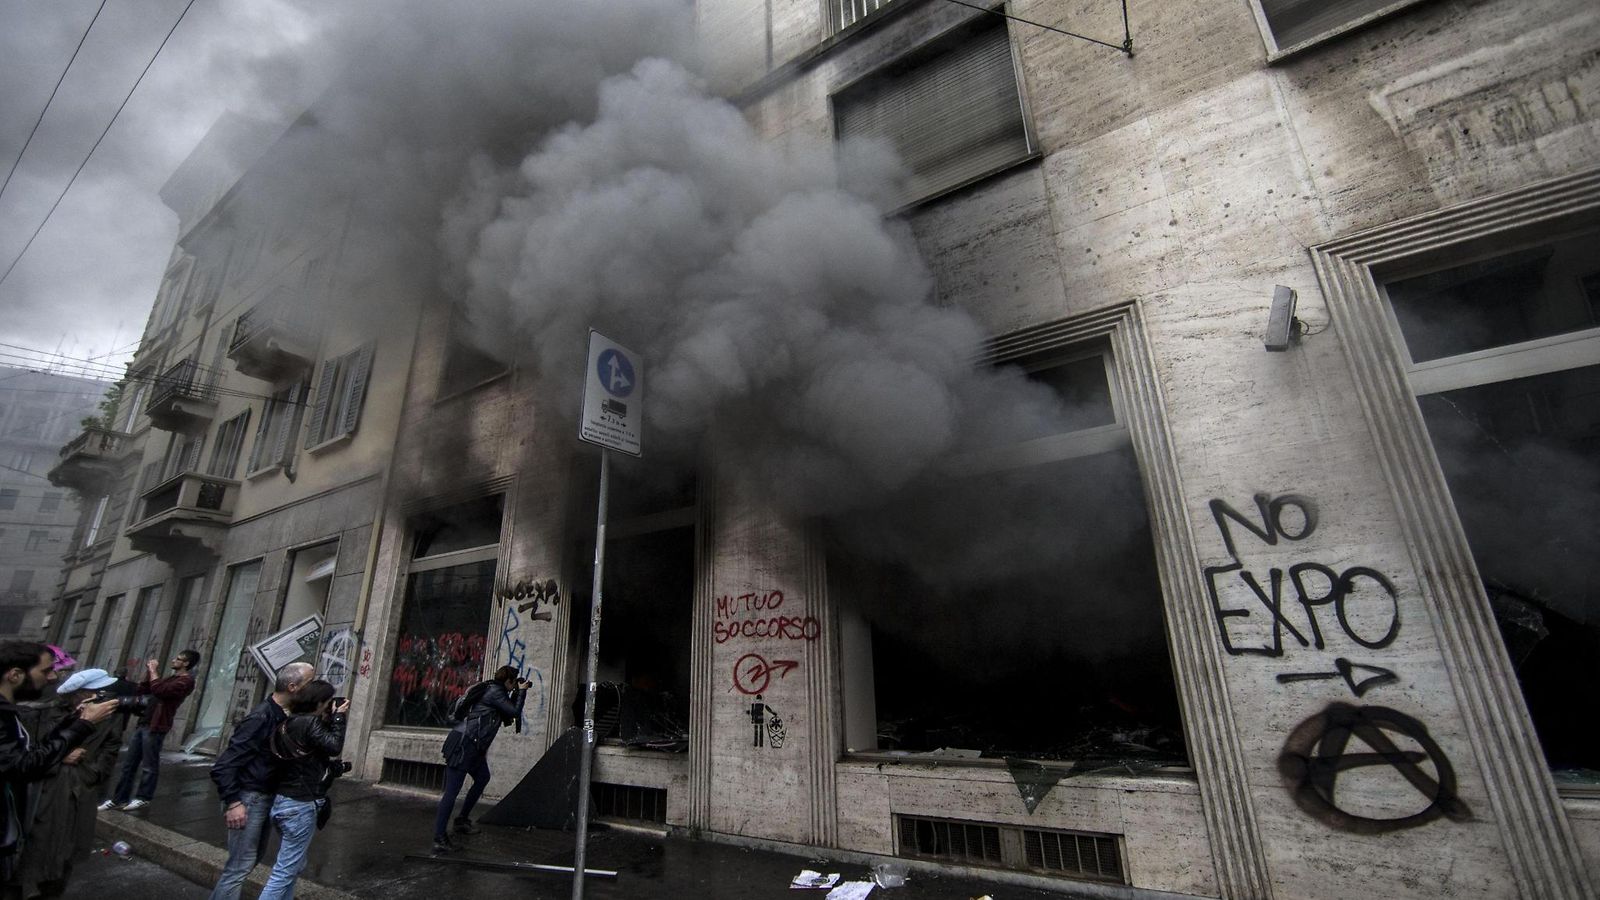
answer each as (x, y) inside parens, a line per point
(243, 775)
(25, 669)
(466, 751)
(303, 748)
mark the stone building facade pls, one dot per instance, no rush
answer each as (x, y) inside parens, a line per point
(1331, 662)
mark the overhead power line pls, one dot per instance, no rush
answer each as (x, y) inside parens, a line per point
(51, 99)
(1127, 33)
(73, 180)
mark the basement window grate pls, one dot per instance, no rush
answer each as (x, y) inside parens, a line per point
(962, 842)
(409, 772)
(1075, 853)
(630, 802)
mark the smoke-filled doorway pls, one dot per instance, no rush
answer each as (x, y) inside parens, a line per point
(643, 673)
(1015, 611)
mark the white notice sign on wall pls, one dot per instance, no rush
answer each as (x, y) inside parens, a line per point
(613, 396)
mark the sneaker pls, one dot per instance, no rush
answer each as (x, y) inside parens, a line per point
(442, 844)
(134, 804)
(109, 804)
(465, 826)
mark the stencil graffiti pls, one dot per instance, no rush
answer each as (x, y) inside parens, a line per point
(768, 726)
(1317, 753)
(752, 673)
(336, 661)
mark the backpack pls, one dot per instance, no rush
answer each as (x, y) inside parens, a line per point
(465, 702)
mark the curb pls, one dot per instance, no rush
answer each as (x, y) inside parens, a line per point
(197, 861)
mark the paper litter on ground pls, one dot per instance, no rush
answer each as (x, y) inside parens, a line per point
(851, 890)
(816, 880)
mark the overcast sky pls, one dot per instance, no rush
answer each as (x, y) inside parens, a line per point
(85, 287)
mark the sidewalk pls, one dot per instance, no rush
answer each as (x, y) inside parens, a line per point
(362, 854)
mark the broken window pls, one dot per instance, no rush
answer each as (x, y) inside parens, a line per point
(1505, 362)
(647, 609)
(1048, 643)
(444, 619)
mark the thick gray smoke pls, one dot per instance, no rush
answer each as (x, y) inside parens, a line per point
(574, 174)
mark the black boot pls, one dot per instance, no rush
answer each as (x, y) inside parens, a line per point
(443, 844)
(464, 826)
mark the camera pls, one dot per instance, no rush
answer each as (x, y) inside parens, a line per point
(337, 767)
(126, 703)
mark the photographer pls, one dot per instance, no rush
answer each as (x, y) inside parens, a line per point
(479, 714)
(144, 750)
(25, 669)
(305, 751)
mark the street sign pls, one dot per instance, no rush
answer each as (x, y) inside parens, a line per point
(613, 396)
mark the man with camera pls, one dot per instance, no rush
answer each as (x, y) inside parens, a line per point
(162, 697)
(244, 773)
(478, 716)
(26, 668)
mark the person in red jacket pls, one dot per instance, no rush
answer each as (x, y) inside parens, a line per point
(144, 751)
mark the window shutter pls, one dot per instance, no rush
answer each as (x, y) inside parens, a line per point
(258, 449)
(284, 439)
(196, 444)
(953, 117)
(319, 413)
(355, 390)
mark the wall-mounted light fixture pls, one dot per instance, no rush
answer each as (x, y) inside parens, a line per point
(1283, 328)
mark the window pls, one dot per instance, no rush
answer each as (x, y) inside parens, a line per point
(21, 580)
(230, 441)
(50, 502)
(36, 540)
(8, 498)
(98, 650)
(1504, 359)
(189, 600)
(1067, 616)
(340, 393)
(1290, 25)
(444, 619)
(143, 643)
(953, 112)
(11, 620)
(466, 363)
(275, 432)
(93, 531)
(844, 13)
(229, 645)
(183, 455)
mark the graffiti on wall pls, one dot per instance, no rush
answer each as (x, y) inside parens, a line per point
(752, 674)
(527, 596)
(1304, 608)
(511, 650)
(337, 660)
(430, 672)
(761, 616)
(768, 726)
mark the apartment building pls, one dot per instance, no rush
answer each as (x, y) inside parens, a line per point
(38, 410)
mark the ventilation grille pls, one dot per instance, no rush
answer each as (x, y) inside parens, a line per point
(409, 772)
(1077, 854)
(626, 801)
(961, 842)
(1071, 854)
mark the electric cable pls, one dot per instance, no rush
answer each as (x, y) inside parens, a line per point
(74, 179)
(35, 130)
(1126, 47)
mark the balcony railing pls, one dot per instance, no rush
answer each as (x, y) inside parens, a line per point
(90, 460)
(272, 340)
(181, 512)
(182, 398)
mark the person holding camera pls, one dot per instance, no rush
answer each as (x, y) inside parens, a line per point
(144, 750)
(305, 750)
(26, 668)
(478, 715)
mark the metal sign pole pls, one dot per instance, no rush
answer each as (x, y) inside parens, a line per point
(586, 763)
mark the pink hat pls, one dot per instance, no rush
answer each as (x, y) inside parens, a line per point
(63, 661)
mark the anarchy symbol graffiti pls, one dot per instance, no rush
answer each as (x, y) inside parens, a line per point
(1317, 753)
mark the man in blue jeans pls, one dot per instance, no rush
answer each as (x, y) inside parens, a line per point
(243, 775)
(143, 758)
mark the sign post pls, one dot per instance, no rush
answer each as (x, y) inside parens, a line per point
(613, 417)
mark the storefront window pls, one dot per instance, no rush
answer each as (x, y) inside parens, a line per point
(229, 646)
(444, 623)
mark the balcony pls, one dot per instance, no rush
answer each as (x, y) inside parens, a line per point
(182, 399)
(90, 461)
(272, 342)
(186, 513)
